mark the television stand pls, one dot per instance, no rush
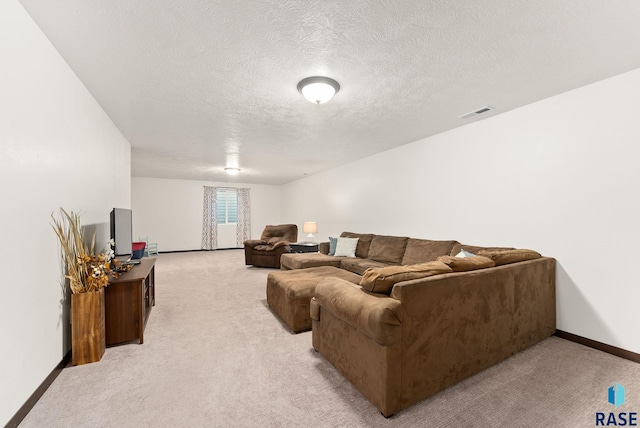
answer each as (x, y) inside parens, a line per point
(128, 300)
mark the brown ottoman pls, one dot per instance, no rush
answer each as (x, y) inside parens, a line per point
(289, 292)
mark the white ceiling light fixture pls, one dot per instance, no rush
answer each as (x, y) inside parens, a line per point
(318, 89)
(232, 171)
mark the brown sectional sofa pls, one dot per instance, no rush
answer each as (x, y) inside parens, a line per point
(400, 340)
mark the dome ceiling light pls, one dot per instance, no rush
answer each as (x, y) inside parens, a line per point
(318, 89)
(232, 171)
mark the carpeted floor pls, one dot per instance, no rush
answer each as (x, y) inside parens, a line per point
(216, 356)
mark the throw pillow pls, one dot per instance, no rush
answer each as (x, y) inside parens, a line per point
(364, 242)
(332, 246)
(463, 254)
(382, 280)
(346, 247)
(503, 257)
(464, 264)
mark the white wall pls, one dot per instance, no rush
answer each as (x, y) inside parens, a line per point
(227, 236)
(169, 211)
(559, 176)
(57, 149)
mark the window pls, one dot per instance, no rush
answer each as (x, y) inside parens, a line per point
(227, 202)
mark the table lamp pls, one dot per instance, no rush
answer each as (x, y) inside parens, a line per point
(310, 227)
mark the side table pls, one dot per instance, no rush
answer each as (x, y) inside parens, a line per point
(304, 247)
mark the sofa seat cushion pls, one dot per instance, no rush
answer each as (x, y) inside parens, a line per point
(465, 264)
(358, 265)
(364, 242)
(425, 250)
(382, 280)
(503, 257)
(308, 260)
(377, 316)
(387, 249)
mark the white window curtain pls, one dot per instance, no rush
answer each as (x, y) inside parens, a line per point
(210, 219)
(243, 230)
(210, 215)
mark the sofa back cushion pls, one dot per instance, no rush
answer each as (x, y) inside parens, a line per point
(382, 280)
(364, 241)
(287, 232)
(465, 264)
(387, 249)
(425, 250)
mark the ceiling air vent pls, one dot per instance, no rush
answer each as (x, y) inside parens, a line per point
(476, 112)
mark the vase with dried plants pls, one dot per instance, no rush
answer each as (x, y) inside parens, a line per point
(88, 274)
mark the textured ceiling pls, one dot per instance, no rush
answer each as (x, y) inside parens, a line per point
(196, 85)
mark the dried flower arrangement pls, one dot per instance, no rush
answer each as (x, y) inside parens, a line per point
(85, 270)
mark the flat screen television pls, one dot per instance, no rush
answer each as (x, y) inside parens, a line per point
(121, 231)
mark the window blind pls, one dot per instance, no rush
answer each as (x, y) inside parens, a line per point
(227, 202)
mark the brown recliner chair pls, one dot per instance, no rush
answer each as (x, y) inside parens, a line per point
(266, 251)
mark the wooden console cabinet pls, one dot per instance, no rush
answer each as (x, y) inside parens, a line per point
(128, 300)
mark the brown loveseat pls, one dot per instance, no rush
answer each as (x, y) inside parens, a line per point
(266, 251)
(400, 340)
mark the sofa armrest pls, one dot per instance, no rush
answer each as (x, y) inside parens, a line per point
(323, 247)
(253, 242)
(376, 315)
(280, 244)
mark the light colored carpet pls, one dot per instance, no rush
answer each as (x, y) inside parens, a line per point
(215, 355)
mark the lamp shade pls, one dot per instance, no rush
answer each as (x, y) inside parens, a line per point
(318, 89)
(310, 227)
